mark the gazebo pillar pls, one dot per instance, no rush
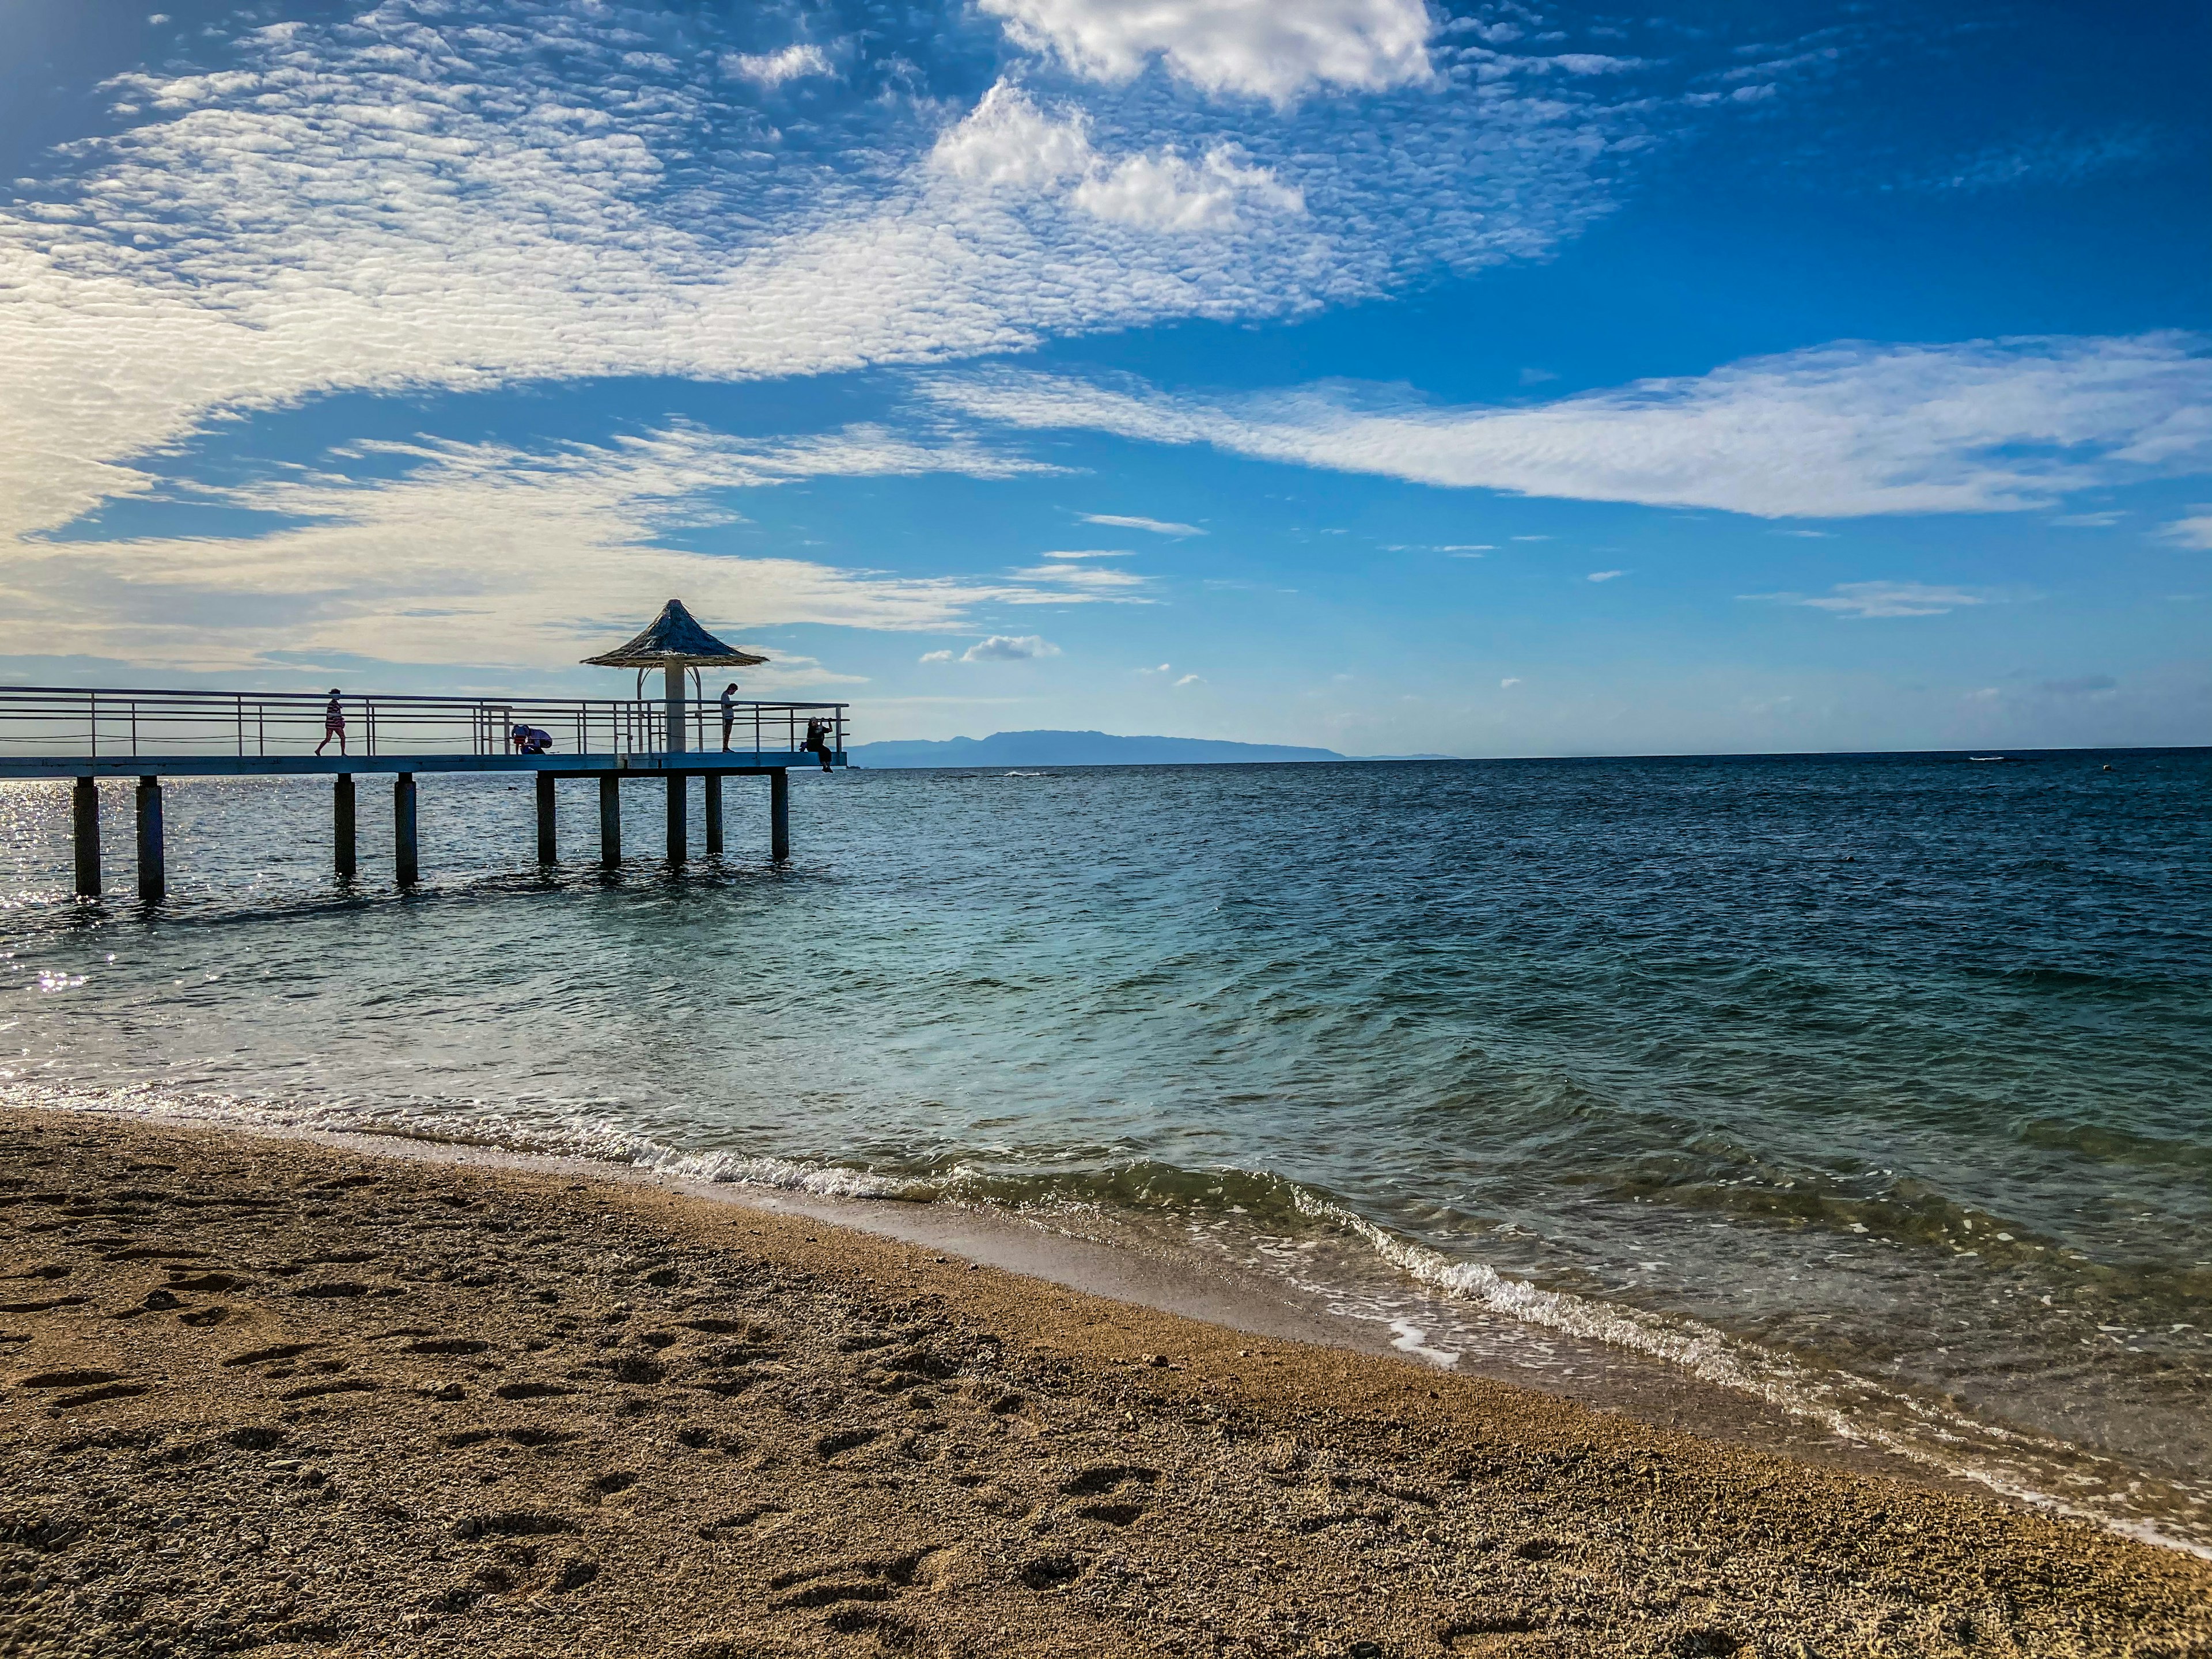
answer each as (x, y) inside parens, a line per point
(678, 792)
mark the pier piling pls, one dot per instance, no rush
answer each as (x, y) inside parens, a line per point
(609, 820)
(779, 815)
(678, 807)
(548, 846)
(711, 784)
(84, 812)
(403, 855)
(343, 845)
(153, 875)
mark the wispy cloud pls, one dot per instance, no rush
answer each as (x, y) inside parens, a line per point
(478, 555)
(1857, 601)
(773, 69)
(1838, 431)
(1157, 526)
(1604, 575)
(2194, 530)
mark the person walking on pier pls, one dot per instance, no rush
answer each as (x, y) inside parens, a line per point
(729, 712)
(333, 723)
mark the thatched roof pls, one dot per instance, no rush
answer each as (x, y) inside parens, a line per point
(675, 640)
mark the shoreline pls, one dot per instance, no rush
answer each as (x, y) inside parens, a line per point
(331, 1399)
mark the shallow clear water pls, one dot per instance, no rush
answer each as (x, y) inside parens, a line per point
(1878, 1086)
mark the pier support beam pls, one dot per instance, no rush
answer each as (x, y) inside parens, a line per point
(84, 813)
(153, 873)
(548, 844)
(403, 857)
(343, 855)
(779, 815)
(679, 804)
(609, 820)
(712, 784)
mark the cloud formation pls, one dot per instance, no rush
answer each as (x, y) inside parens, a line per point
(1157, 526)
(558, 543)
(1857, 601)
(1836, 431)
(1272, 49)
(1010, 648)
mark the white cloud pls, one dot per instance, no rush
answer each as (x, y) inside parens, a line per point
(475, 555)
(2103, 521)
(1157, 526)
(407, 198)
(1006, 142)
(1190, 679)
(1080, 576)
(1164, 668)
(1272, 49)
(1166, 192)
(773, 69)
(1507, 684)
(1831, 432)
(1856, 601)
(1089, 553)
(1604, 575)
(934, 656)
(1468, 550)
(2195, 531)
(1010, 648)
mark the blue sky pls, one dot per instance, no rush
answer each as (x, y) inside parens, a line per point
(1491, 379)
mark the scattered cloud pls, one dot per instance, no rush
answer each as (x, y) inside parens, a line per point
(1603, 575)
(2089, 520)
(1536, 376)
(2195, 531)
(1809, 535)
(1532, 538)
(1275, 50)
(773, 69)
(1509, 683)
(1157, 526)
(1166, 192)
(2085, 685)
(1010, 648)
(1190, 679)
(935, 656)
(1856, 601)
(1163, 668)
(1078, 575)
(436, 552)
(1089, 553)
(1835, 431)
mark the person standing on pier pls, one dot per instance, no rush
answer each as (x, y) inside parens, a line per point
(333, 723)
(729, 712)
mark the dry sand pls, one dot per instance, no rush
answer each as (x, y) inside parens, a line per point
(304, 1400)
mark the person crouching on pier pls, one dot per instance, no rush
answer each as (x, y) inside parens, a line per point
(333, 723)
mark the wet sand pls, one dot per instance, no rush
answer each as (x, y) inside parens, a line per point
(300, 1398)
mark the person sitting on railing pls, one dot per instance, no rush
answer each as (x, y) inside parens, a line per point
(333, 723)
(530, 740)
(729, 712)
(818, 740)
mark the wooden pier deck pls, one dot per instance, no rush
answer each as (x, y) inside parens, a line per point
(86, 735)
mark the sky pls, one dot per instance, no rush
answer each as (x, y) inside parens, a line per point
(1475, 379)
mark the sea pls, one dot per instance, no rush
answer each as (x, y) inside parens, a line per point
(1874, 1089)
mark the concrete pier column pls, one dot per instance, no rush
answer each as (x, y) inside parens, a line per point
(679, 828)
(152, 874)
(779, 814)
(548, 844)
(343, 854)
(609, 820)
(712, 784)
(405, 869)
(84, 814)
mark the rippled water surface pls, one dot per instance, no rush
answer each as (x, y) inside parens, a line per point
(1882, 1087)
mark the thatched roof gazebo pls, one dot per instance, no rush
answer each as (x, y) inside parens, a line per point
(675, 643)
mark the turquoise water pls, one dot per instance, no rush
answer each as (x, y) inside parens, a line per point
(1878, 1086)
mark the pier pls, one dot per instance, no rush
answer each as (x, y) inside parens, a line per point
(85, 735)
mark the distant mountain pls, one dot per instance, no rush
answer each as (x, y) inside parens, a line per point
(1076, 749)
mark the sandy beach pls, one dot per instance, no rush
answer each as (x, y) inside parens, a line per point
(279, 1396)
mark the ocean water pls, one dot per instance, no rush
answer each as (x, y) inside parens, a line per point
(1878, 1087)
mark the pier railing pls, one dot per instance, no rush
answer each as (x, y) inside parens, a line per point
(104, 724)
